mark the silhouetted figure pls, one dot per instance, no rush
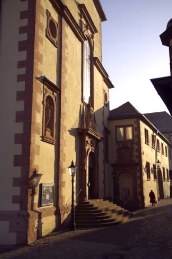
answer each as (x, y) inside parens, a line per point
(152, 198)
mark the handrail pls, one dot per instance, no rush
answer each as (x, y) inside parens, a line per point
(78, 195)
(68, 203)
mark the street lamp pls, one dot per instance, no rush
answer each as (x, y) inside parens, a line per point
(72, 171)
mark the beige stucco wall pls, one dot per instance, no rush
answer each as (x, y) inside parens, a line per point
(45, 64)
(70, 100)
(46, 61)
(147, 155)
(72, 5)
(150, 155)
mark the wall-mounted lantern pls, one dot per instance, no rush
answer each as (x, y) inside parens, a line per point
(34, 181)
(158, 163)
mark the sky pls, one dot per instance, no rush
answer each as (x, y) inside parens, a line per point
(132, 52)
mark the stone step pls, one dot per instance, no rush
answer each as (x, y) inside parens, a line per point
(99, 213)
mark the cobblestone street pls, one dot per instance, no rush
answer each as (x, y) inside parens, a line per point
(148, 234)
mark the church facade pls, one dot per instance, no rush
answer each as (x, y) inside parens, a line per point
(55, 94)
(55, 110)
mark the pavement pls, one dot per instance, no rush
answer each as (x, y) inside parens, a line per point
(147, 234)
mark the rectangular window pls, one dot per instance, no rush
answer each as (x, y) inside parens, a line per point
(124, 133)
(158, 145)
(154, 172)
(148, 170)
(166, 151)
(86, 72)
(162, 148)
(129, 133)
(153, 141)
(146, 137)
(120, 134)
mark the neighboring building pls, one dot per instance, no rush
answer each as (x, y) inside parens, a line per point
(163, 122)
(54, 109)
(136, 146)
(163, 85)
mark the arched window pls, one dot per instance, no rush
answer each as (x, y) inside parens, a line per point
(86, 72)
(49, 117)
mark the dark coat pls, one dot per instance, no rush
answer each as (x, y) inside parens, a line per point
(152, 197)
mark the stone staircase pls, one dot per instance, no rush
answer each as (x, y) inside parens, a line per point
(99, 213)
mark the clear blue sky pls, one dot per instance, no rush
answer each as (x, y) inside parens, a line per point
(133, 52)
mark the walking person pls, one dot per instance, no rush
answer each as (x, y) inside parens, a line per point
(152, 198)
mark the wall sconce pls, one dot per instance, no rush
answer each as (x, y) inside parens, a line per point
(34, 181)
(158, 163)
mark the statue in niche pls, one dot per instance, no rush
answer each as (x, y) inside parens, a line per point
(49, 117)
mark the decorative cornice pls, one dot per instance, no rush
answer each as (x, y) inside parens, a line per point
(47, 82)
(103, 72)
(58, 5)
(66, 14)
(90, 132)
(73, 24)
(87, 18)
(100, 10)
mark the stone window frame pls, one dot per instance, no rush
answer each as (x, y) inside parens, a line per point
(146, 136)
(148, 171)
(88, 29)
(123, 137)
(52, 29)
(50, 91)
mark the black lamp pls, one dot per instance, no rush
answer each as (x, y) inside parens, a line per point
(72, 171)
(34, 181)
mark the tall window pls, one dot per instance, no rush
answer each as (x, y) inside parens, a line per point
(148, 170)
(158, 145)
(153, 141)
(154, 172)
(129, 133)
(86, 72)
(146, 137)
(162, 148)
(120, 133)
(166, 151)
